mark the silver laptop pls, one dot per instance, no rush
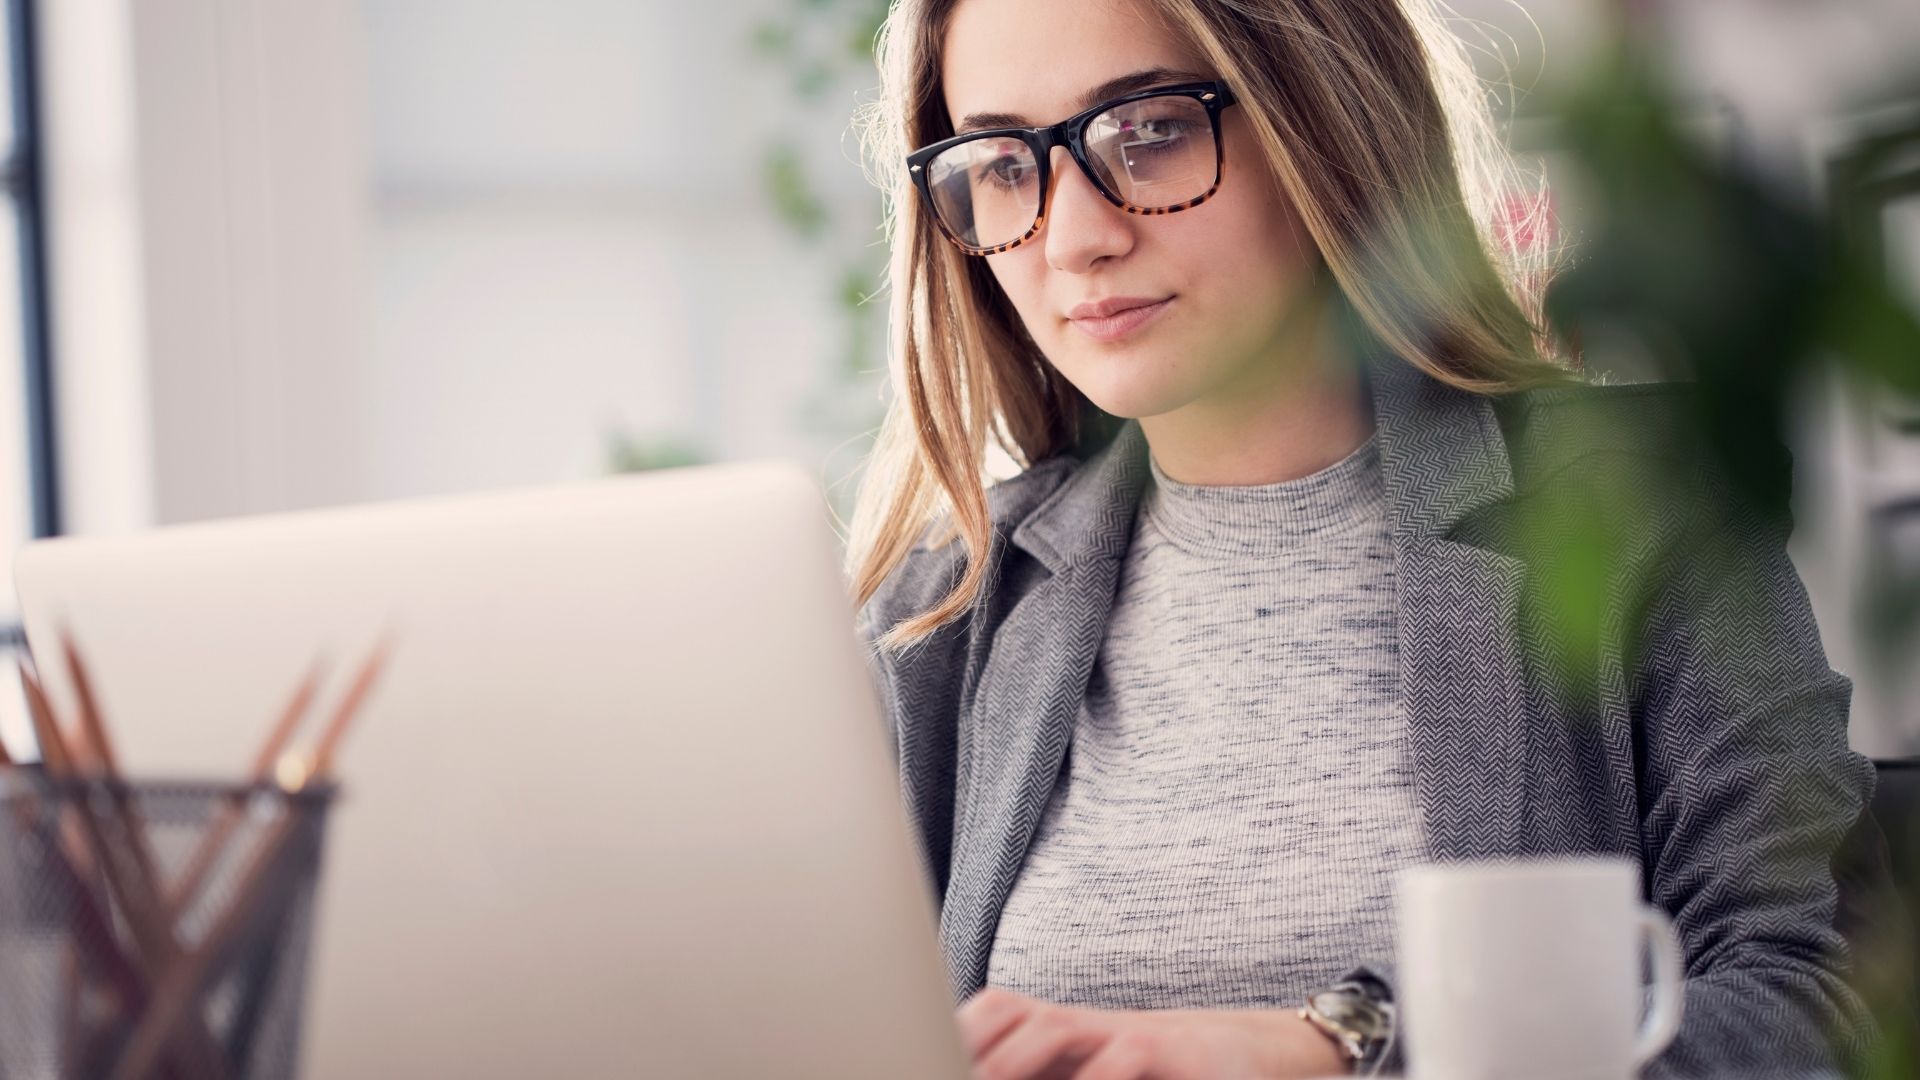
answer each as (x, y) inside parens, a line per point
(621, 804)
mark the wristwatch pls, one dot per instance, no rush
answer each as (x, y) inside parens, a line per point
(1358, 1016)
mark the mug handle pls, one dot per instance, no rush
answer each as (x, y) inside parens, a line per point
(1663, 1017)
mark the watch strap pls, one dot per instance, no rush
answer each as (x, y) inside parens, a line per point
(1358, 1016)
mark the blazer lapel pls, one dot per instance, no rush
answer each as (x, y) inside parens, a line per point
(1444, 458)
(1022, 716)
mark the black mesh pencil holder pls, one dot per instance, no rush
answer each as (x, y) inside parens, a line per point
(154, 929)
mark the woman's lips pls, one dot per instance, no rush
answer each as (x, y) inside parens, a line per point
(1120, 324)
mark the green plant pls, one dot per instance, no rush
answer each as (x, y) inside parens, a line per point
(1720, 276)
(1726, 280)
(628, 453)
(823, 44)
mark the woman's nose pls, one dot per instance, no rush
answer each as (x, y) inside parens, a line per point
(1082, 226)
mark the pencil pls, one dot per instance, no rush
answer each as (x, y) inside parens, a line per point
(206, 853)
(256, 897)
(184, 980)
(160, 981)
(132, 885)
(321, 761)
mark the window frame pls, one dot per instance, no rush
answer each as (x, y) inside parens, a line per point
(22, 181)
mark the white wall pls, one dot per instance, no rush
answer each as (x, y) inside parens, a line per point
(329, 251)
(569, 238)
(249, 137)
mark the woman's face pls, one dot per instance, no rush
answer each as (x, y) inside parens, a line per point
(1231, 266)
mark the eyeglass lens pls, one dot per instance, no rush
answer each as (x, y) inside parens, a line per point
(1150, 153)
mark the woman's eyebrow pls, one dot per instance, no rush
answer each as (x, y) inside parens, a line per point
(1112, 88)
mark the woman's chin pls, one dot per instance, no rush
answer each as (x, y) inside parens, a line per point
(1132, 402)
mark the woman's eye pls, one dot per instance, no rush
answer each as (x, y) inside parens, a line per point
(1008, 171)
(1159, 134)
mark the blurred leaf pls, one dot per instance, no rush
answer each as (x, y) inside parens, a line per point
(770, 38)
(812, 79)
(1892, 615)
(1870, 327)
(866, 26)
(1729, 282)
(819, 44)
(793, 196)
(855, 285)
(626, 453)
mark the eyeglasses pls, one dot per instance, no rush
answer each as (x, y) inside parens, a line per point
(1154, 151)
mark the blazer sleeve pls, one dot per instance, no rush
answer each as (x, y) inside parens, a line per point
(879, 671)
(1746, 788)
(918, 691)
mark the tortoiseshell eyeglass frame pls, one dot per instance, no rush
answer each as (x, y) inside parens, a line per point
(1071, 133)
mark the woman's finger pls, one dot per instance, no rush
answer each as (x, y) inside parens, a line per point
(1126, 1056)
(1047, 1043)
(986, 1018)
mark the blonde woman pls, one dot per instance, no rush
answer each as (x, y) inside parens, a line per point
(1257, 623)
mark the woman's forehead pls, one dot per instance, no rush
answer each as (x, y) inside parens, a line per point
(1039, 59)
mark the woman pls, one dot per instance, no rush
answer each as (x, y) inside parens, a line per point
(1316, 566)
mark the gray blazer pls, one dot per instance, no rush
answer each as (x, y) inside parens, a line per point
(1697, 729)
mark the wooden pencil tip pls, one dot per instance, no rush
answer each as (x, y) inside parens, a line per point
(46, 732)
(93, 748)
(349, 709)
(290, 718)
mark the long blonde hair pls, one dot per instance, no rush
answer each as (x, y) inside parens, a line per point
(1369, 114)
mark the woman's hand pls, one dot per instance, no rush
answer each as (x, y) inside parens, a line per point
(1011, 1036)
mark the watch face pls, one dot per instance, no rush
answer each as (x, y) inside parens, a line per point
(1351, 1012)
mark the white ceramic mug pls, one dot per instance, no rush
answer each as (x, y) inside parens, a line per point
(1532, 969)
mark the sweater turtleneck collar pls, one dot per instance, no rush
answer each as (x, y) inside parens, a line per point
(1254, 520)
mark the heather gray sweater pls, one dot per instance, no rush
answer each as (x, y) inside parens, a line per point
(1239, 788)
